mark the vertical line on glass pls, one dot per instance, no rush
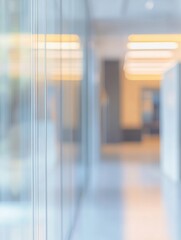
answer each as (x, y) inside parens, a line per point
(37, 122)
(61, 124)
(32, 123)
(46, 173)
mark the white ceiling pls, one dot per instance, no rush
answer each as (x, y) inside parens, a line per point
(118, 9)
(105, 9)
(129, 16)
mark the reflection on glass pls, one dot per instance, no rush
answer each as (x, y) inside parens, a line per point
(42, 79)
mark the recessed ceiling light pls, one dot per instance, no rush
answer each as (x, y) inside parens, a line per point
(149, 54)
(149, 5)
(152, 45)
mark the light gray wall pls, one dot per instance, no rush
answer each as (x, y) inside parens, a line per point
(170, 124)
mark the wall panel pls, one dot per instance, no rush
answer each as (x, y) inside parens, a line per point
(170, 124)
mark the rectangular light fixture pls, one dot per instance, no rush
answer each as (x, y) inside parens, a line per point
(155, 38)
(148, 68)
(64, 54)
(152, 45)
(149, 65)
(59, 45)
(149, 54)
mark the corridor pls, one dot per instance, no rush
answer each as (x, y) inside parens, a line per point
(90, 119)
(130, 199)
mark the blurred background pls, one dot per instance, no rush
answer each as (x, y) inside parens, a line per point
(90, 119)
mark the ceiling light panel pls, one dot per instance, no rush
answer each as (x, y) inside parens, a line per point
(149, 54)
(105, 9)
(152, 45)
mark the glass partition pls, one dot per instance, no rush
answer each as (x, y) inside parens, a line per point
(43, 86)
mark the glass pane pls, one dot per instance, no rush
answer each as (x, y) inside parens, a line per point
(42, 117)
(15, 120)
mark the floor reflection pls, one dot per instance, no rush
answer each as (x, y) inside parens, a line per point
(102, 211)
(172, 196)
(127, 199)
(130, 199)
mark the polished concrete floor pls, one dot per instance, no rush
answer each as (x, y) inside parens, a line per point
(129, 198)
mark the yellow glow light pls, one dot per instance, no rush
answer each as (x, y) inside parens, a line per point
(66, 55)
(149, 54)
(72, 55)
(149, 65)
(64, 77)
(142, 71)
(25, 39)
(69, 68)
(148, 68)
(59, 46)
(152, 45)
(155, 38)
(144, 77)
(57, 38)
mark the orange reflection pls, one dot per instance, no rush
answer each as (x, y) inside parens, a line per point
(60, 56)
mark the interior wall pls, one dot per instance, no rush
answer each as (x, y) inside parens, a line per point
(170, 123)
(130, 107)
(130, 99)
